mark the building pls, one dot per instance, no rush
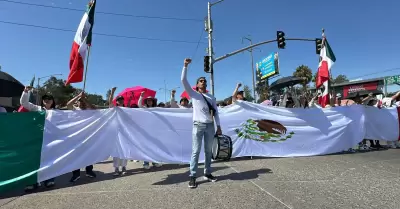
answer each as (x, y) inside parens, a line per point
(361, 87)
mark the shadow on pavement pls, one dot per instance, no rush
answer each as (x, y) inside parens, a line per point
(63, 180)
(184, 177)
(246, 175)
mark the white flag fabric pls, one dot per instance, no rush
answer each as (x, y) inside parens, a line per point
(75, 139)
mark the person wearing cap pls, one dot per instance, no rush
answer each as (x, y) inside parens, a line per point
(161, 104)
(238, 95)
(80, 102)
(183, 103)
(205, 113)
(148, 103)
(47, 103)
(118, 162)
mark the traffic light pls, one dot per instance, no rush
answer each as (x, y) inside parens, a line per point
(318, 45)
(280, 38)
(207, 64)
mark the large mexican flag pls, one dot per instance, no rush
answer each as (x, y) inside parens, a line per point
(35, 147)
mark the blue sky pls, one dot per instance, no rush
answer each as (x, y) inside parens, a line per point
(363, 35)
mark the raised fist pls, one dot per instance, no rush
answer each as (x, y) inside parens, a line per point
(271, 126)
(27, 88)
(187, 62)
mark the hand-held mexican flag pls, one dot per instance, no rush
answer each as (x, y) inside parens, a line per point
(83, 39)
(327, 59)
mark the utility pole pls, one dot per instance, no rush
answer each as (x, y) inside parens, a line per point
(252, 67)
(165, 91)
(209, 29)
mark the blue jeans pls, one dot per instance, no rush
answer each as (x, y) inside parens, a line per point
(207, 131)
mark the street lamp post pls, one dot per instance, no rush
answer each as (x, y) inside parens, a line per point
(38, 85)
(252, 66)
(167, 90)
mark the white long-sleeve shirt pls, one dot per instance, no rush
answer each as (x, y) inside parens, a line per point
(175, 104)
(201, 111)
(312, 103)
(27, 105)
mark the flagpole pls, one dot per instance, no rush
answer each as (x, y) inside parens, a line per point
(331, 91)
(87, 64)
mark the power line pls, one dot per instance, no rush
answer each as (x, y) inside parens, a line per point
(100, 34)
(198, 43)
(105, 13)
(380, 72)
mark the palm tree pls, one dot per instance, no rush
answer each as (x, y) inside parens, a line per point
(305, 73)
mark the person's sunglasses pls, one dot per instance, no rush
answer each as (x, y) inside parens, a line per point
(202, 81)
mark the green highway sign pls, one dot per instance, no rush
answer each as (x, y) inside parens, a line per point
(392, 79)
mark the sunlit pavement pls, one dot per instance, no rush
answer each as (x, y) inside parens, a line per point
(360, 180)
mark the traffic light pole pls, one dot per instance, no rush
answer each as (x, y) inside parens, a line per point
(258, 44)
(210, 48)
(252, 67)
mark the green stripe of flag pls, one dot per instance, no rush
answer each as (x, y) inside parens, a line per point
(20, 148)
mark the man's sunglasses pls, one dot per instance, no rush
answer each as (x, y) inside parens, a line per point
(202, 81)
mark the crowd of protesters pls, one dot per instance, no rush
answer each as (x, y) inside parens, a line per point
(285, 100)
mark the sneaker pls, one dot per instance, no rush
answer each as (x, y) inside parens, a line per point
(49, 184)
(157, 165)
(192, 182)
(90, 174)
(123, 170)
(116, 172)
(396, 144)
(136, 161)
(74, 178)
(210, 177)
(351, 150)
(30, 188)
(146, 166)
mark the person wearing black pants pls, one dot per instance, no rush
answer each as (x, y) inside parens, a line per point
(81, 104)
(76, 174)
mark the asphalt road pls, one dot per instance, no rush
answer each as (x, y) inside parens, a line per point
(360, 180)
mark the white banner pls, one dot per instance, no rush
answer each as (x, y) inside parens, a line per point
(74, 139)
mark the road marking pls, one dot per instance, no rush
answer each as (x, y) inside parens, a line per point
(262, 189)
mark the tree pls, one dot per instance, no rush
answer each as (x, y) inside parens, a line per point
(340, 79)
(63, 93)
(305, 73)
(248, 93)
(108, 96)
(262, 91)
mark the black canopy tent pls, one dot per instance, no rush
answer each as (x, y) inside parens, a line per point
(10, 90)
(285, 82)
